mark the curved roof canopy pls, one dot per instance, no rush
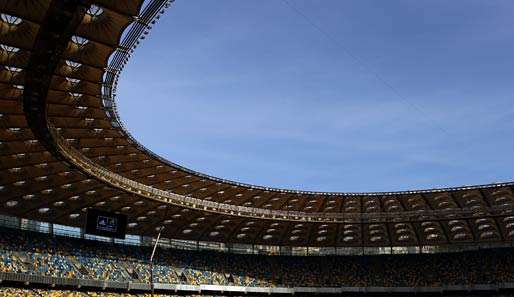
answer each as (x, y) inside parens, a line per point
(63, 150)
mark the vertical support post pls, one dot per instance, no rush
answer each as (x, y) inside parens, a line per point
(151, 260)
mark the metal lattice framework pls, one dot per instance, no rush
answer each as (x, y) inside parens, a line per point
(63, 149)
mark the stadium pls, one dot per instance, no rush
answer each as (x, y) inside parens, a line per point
(161, 229)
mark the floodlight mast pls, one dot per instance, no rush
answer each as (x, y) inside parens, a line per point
(151, 259)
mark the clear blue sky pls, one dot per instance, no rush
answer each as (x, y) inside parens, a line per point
(252, 91)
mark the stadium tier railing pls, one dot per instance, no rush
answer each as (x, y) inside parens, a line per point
(57, 282)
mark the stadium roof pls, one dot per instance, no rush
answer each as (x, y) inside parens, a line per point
(63, 149)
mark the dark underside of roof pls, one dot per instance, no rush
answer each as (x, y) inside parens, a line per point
(63, 150)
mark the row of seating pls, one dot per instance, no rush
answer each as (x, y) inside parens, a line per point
(22, 292)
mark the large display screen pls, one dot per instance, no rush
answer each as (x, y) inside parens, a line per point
(107, 224)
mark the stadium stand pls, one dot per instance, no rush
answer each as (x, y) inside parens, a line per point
(64, 150)
(37, 254)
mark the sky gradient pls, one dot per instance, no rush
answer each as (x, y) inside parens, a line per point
(329, 95)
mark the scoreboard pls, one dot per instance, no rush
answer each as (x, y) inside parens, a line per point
(107, 224)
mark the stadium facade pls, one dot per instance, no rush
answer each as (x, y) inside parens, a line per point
(64, 150)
